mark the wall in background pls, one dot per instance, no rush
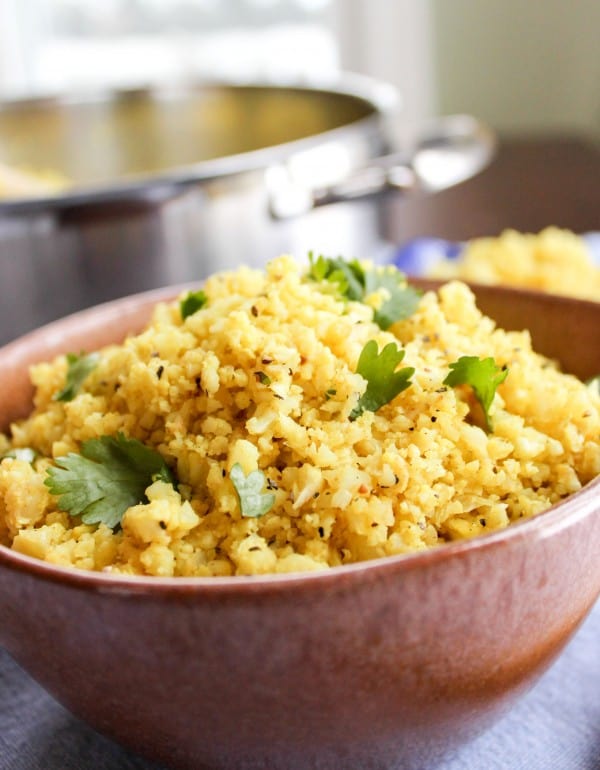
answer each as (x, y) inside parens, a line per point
(522, 66)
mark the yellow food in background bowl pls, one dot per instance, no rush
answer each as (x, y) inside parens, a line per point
(554, 260)
(292, 421)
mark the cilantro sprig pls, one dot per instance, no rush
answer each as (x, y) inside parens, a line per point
(355, 283)
(79, 367)
(383, 381)
(109, 476)
(484, 377)
(402, 299)
(192, 302)
(348, 277)
(253, 501)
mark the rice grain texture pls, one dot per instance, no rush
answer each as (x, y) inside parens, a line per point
(556, 261)
(264, 376)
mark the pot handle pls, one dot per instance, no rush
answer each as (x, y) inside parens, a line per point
(448, 151)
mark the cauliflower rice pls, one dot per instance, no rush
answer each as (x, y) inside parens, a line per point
(556, 261)
(264, 376)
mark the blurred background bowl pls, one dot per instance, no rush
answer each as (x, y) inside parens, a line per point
(381, 664)
(419, 256)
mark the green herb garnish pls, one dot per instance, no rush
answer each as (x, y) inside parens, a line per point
(253, 501)
(347, 277)
(78, 369)
(483, 375)
(109, 476)
(383, 381)
(355, 283)
(192, 302)
(402, 302)
(263, 378)
(26, 454)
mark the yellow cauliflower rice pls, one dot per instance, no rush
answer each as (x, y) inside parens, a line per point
(556, 261)
(252, 402)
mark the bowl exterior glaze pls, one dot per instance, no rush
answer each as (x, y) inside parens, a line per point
(378, 665)
(383, 666)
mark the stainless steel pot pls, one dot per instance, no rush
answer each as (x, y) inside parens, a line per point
(165, 186)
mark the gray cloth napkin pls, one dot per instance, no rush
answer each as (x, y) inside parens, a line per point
(555, 727)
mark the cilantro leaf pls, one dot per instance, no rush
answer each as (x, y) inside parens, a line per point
(108, 477)
(192, 302)
(383, 381)
(483, 375)
(26, 454)
(349, 277)
(355, 283)
(403, 299)
(78, 369)
(253, 502)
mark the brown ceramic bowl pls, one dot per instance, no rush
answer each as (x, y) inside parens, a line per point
(380, 664)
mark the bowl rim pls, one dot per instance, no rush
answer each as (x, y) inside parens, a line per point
(558, 517)
(549, 523)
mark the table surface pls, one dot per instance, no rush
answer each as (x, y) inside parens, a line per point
(531, 184)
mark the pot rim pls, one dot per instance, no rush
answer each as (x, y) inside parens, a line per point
(568, 512)
(381, 97)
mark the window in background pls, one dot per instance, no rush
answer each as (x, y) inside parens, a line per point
(70, 45)
(49, 46)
